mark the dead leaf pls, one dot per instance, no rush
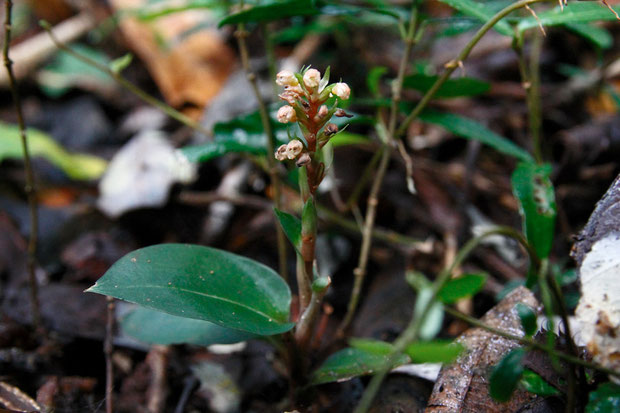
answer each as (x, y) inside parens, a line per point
(189, 69)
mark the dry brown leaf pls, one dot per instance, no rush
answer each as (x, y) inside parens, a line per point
(188, 69)
(463, 385)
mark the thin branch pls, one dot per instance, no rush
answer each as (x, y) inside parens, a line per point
(30, 184)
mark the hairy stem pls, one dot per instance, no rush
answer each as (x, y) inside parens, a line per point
(29, 188)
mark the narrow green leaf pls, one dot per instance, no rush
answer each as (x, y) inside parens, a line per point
(369, 345)
(598, 36)
(120, 64)
(291, 226)
(528, 319)
(155, 327)
(506, 375)
(452, 88)
(211, 150)
(574, 12)
(203, 283)
(345, 138)
(146, 13)
(470, 129)
(461, 287)
(436, 351)
(480, 11)
(352, 362)
(534, 191)
(76, 166)
(535, 384)
(432, 320)
(373, 79)
(606, 398)
(272, 11)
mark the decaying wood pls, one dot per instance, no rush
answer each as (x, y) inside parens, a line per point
(463, 385)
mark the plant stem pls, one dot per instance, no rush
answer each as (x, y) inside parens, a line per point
(451, 66)
(108, 348)
(241, 35)
(120, 79)
(373, 198)
(29, 188)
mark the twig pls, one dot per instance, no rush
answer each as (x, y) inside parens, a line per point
(30, 184)
(371, 207)
(241, 34)
(120, 79)
(108, 348)
(189, 384)
(157, 360)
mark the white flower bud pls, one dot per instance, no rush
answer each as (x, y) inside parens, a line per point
(342, 90)
(294, 148)
(286, 114)
(294, 89)
(286, 78)
(323, 111)
(281, 153)
(312, 78)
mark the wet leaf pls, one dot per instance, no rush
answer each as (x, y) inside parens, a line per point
(156, 327)
(506, 375)
(203, 283)
(461, 287)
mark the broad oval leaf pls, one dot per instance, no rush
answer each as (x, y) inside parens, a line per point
(352, 362)
(436, 351)
(470, 129)
(534, 191)
(204, 283)
(606, 398)
(155, 327)
(369, 345)
(452, 88)
(506, 375)
(461, 287)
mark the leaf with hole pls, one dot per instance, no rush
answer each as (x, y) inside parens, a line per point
(203, 283)
(155, 327)
(470, 129)
(461, 287)
(506, 375)
(534, 191)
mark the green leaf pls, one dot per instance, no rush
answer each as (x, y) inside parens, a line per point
(606, 398)
(480, 11)
(76, 166)
(345, 138)
(272, 11)
(203, 283)
(528, 319)
(598, 36)
(436, 351)
(291, 226)
(452, 88)
(432, 320)
(506, 375)
(373, 79)
(575, 12)
(120, 64)
(211, 150)
(461, 287)
(369, 345)
(161, 9)
(535, 384)
(352, 362)
(534, 191)
(155, 327)
(470, 129)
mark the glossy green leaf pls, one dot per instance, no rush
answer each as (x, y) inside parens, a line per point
(534, 191)
(470, 129)
(155, 327)
(506, 375)
(461, 287)
(203, 283)
(528, 319)
(480, 11)
(272, 11)
(606, 398)
(574, 12)
(76, 166)
(433, 318)
(598, 36)
(291, 226)
(352, 362)
(535, 384)
(436, 351)
(452, 88)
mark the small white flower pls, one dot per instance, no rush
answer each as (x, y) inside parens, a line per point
(323, 111)
(281, 153)
(294, 148)
(312, 78)
(286, 78)
(286, 114)
(342, 90)
(296, 89)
